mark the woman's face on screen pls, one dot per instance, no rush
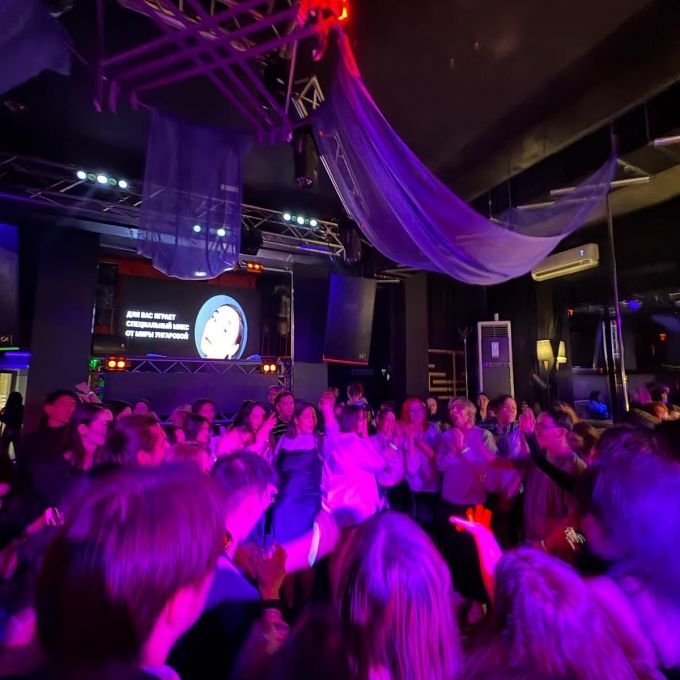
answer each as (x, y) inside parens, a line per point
(221, 334)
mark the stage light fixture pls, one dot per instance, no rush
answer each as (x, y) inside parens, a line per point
(286, 217)
(313, 223)
(221, 232)
(269, 367)
(102, 179)
(254, 267)
(300, 220)
(197, 228)
(117, 363)
(123, 184)
(81, 175)
(91, 176)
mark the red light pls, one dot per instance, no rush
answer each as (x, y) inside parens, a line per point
(663, 337)
(120, 364)
(111, 363)
(570, 312)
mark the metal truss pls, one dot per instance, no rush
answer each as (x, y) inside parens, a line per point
(52, 185)
(191, 367)
(226, 42)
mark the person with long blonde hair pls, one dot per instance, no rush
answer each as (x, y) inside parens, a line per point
(396, 602)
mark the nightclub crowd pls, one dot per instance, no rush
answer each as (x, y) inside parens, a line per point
(336, 541)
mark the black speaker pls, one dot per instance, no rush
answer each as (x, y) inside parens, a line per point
(305, 158)
(251, 241)
(349, 321)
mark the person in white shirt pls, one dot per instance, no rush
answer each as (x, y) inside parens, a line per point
(349, 488)
(465, 455)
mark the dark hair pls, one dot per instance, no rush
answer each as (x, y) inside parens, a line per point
(240, 475)
(117, 407)
(355, 390)
(200, 403)
(129, 544)
(281, 395)
(13, 411)
(193, 425)
(57, 394)
(84, 414)
(498, 402)
(350, 416)
(561, 418)
(130, 436)
(657, 393)
(247, 407)
(383, 411)
(300, 408)
(171, 433)
(583, 438)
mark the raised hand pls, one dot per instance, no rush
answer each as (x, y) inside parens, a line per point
(527, 421)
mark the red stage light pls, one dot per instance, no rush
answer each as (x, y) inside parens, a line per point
(117, 363)
(111, 363)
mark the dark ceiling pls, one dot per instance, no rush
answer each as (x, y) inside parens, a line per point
(480, 89)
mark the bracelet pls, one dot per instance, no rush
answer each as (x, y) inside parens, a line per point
(271, 604)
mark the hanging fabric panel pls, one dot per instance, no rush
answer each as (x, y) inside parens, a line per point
(190, 219)
(30, 42)
(412, 217)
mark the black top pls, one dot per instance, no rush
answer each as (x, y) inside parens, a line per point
(209, 649)
(39, 448)
(279, 429)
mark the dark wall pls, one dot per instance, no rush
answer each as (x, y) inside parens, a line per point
(9, 283)
(61, 335)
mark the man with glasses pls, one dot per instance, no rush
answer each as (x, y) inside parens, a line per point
(547, 503)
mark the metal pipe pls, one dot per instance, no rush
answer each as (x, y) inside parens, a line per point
(614, 184)
(195, 32)
(666, 141)
(291, 76)
(213, 22)
(252, 52)
(617, 309)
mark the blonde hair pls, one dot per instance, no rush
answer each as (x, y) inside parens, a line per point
(397, 604)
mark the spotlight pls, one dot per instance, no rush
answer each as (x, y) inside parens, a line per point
(300, 220)
(197, 228)
(102, 179)
(117, 363)
(313, 223)
(123, 184)
(81, 175)
(269, 367)
(286, 217)
(254, 267)
(221, 232)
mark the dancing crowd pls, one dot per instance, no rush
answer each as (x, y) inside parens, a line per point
(414, 541)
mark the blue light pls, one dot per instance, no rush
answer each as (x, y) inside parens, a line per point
(635, 305)
(197, 228)
(221, 232)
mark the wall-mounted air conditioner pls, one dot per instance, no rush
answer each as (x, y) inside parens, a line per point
(567, 262)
